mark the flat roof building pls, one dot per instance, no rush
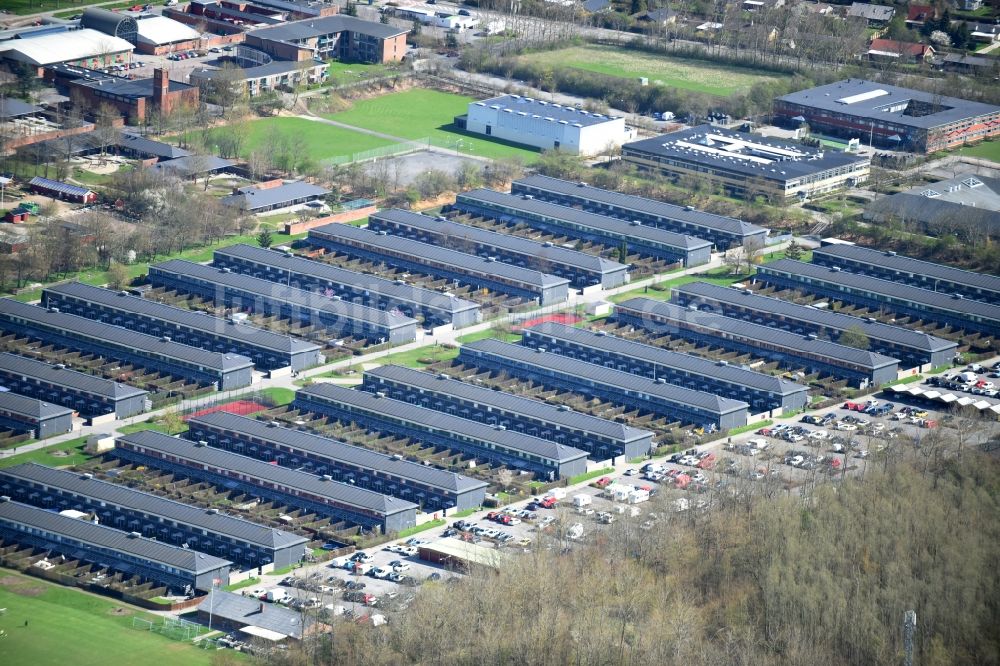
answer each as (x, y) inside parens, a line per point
(86, 48)
(32, 416)
(863, 290)
(546, 125)
(600, 438)
(230, 611)
(596, 381)
(457, 554)
(907, 270)
(861, 368)
(432, 489)
(498, 446)
(251, 294)
(320, 495)
(764, 393)
(267, 349)
(203, 530)
(581, 269)
(724, 232)
(889, 116)
(178, 568)
(440, 262)
(431, 307)
(89, 395)
(338, 37)
(566, 221)
(748, 165)
(912, 348)
(226, 371)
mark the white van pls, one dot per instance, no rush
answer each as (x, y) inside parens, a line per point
(968, 377)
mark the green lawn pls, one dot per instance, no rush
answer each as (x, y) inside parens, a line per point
(719, 276)
(417, 529)
(322, 141)
(345, 71)
(74, 449)
(78, 6)
(67, 625)
(420, 113)
(698, 75)
(280, 396)
(489, 334)
(35, 6)
(989, 150)
(415, 357)
(587, 476)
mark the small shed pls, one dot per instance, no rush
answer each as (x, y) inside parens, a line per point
(63, 191)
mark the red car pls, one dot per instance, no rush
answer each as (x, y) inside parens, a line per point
(603, 482)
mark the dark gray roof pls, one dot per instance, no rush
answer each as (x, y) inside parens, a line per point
(515, 244)
(596, 5)
(192, 165)
(550, 110)
(324, 271)
(252, 198)
(305, 300)
(433, 421)
(871, 12)
(32, 408)
(784, 160)
(883, 288)
(862, 99)
(627, 202)
(529, 407)
(12, 108)
(600, 223)
(826, 318)
(617, 379)
(198, 456)
(695, 365)
(121, 337)
(749, 332)
(146, 146)
(117, 495)
(196, 321)
(309, 28)
(29, 367)
(979, 213)
(425, 252)
(250, 612)
(188, 561)
(916, 267)
(334, 449)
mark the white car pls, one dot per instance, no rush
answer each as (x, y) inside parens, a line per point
(794, 438)
(846, 426)
(379, 572)
(818, 434)
(398, 566)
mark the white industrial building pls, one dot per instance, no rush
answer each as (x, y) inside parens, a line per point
(86, 48)
(154, 31)
(546, 125)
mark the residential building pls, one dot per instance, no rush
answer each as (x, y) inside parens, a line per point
(891, 49)
(273, 483)
(602, 439)
(273, 195)
(474, 439)
(165, 520)
(581, 269)
(243, 293)
(87, 394)
(747, 165)
(724, 232)
(596, 381)
(433, 308)
(859, 367)
(267, 349)
(611, 232)
(488, 274)
(545, 125)
(338, 37)
(431, 488)
(39, 419)
(874, 16)
(763, 392)
(907, 270)
(914, 349)
(225, 371)
(944, 308)
(178, 568)
(889, 116)
(263, 74)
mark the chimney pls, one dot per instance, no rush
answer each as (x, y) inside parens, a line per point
(161, 86)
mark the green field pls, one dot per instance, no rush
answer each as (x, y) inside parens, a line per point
(36, 6)
(321, 141)
(988, 150)
(66, 453)
(698, 75)
(720, 276)
(69, 626)
(420, 113)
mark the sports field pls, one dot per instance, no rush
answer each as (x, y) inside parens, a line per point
(69, 626)
(698, 75)
(419, 113)
(320, 140)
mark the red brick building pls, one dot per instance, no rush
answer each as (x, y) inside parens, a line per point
(338, 37)
(134, 98)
